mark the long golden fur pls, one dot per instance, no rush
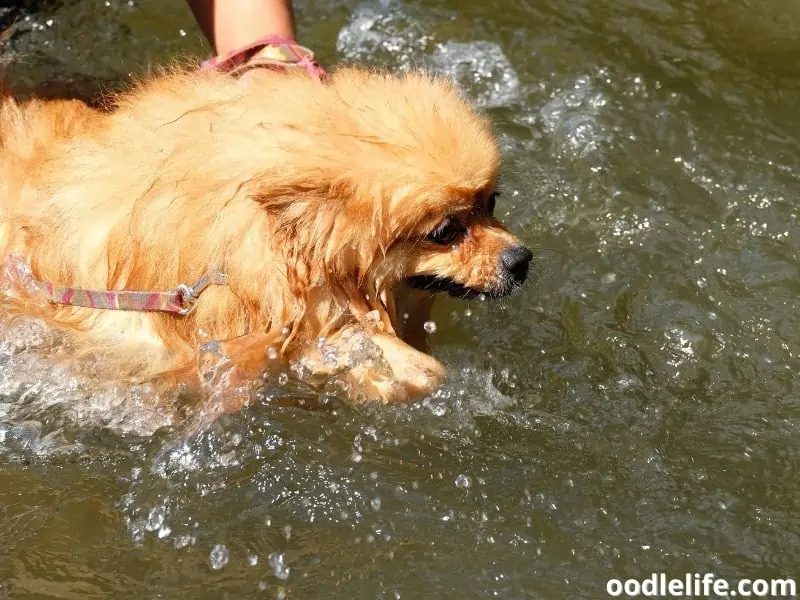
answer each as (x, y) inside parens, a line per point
(317, 200)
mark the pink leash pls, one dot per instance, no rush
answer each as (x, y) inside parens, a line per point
(181, 300)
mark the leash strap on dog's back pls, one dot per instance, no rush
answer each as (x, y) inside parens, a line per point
(181, 300)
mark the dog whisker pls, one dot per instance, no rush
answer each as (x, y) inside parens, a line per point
(553, 250)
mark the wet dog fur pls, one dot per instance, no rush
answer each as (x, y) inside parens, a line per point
(336, 210)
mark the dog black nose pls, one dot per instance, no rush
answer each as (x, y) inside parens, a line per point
(516, 261)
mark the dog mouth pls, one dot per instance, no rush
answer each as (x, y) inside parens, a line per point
(435, 284)
(512, 272)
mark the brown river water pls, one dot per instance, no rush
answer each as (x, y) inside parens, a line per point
(634, 410)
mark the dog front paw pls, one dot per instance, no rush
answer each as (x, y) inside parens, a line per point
(420, 374)
(372, 367)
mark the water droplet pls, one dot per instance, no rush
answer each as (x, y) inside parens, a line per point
(283, 379)
(155, 519)
(463, 481)
(356, 457)
(252, 560)
(182, 32)
(279, 567)
(218, 557)
(439, 409)
(272, 354)
(429, 326)
(184, 540)
(376, 503)
(287, 531)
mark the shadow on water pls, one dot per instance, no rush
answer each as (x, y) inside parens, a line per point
(634, 411)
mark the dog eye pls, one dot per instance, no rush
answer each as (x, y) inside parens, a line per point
(447, 232)
(490, 203)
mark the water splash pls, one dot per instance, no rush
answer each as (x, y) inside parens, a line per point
(573, 118)
(482, 69)
(393, 34)
(384, 34)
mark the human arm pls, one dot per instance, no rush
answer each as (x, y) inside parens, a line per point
(233, 24)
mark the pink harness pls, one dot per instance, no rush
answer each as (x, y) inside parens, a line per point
(271, 51)
(181, 300)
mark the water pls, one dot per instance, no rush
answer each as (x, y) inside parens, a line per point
(633, 411)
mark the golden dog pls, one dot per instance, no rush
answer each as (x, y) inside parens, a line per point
(336, 210)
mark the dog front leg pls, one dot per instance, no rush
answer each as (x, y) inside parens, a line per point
(366, 366)
(373, 366)
(420, 374)
(223, 376)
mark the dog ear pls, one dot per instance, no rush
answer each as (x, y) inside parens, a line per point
(328, 257)
(336, 229)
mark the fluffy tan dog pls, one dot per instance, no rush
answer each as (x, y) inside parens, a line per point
(336, 211)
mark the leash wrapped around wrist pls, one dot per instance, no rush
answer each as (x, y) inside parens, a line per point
(271, 52)
(181, 300)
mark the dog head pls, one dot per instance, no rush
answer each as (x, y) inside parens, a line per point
(429, 208)
(384, 180)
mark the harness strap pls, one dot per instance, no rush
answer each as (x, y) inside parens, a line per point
(181, 300)
(270, 51)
